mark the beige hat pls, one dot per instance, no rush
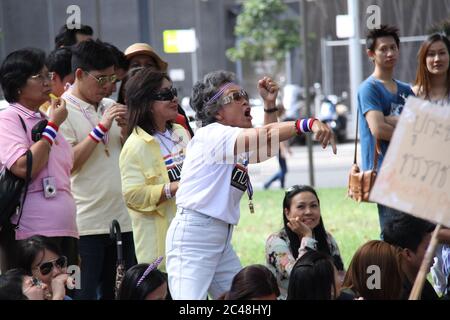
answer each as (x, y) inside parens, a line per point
(143, 48)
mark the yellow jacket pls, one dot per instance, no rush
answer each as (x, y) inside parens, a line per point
(144, 174)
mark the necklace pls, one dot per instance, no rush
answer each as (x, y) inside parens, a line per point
(180, 139)
(87, 116)
(177, 156)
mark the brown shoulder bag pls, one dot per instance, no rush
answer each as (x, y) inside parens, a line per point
(361, 182)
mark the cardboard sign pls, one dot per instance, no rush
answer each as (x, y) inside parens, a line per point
(415, 174)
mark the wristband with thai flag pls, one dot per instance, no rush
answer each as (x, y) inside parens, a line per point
(50, 132)
(98, 133)
(304, 125)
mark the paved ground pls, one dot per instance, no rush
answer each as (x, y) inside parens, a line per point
(329, 170)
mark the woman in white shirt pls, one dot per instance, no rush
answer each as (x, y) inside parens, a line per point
(200, 258)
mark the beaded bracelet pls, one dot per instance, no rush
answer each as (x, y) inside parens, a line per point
(167, 191)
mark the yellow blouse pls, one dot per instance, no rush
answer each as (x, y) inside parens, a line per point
(144, 174)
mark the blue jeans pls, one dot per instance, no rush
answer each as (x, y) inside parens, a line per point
(98, 265)
(386, 214)
(280, 175)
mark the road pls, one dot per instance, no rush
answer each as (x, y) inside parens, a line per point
(329, 170)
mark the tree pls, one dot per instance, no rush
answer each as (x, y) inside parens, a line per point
(443, 26)
(263, 33)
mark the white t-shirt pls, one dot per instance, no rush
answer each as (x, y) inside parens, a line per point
(213, 180)
(172, 152)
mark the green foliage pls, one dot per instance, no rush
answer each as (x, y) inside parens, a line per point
(443, 26)
(263, 33)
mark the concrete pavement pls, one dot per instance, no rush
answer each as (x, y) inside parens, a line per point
(330, 170)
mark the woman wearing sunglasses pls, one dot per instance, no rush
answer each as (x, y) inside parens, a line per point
(42, 259)
(303, 229)
(200, 258)
(151, 160)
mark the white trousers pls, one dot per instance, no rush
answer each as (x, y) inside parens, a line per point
(199, 256)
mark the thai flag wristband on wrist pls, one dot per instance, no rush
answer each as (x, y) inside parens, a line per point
(98, 133)
(50, 132)
(167, 191)
(304, 125)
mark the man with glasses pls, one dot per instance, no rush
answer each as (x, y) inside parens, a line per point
(96, 127)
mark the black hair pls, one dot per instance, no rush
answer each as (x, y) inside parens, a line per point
(312, 278)
(406, 231)
(11, 284)
(138, 96)
(59, 61)
(252, 282)
(119, 57)
(319, 232)
(29, 249)
(122, 90)
(17, 68)
(129, 290)
(67, 37)
(383, 31)
(91, 55)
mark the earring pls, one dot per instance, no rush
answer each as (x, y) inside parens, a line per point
(19, 92)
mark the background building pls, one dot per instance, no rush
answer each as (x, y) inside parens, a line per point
(36, 22)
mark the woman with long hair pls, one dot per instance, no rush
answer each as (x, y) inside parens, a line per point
(303, 229)
(433, 70)
(433, 84)
(375, 258)
(151, 160)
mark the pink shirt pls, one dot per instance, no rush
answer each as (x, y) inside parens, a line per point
(51, 217)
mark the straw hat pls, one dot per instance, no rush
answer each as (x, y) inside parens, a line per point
(143, 48)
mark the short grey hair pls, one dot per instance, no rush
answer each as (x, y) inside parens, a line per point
(203, 91)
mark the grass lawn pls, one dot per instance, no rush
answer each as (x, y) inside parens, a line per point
(350, 223)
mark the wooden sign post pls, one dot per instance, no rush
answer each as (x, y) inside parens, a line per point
(415, 175)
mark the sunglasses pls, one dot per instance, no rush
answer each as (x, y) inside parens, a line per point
(292, 189)
(47, 267)
(235, 96)
(166, 95)
(103, 80)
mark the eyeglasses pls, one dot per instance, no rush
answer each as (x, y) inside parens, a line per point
(47, 267)
(235, 96)
(47, 76)
(103, 80)
(166, 95)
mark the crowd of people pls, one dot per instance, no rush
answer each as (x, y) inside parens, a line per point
(109, 141)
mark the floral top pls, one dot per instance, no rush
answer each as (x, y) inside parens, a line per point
(280, 261)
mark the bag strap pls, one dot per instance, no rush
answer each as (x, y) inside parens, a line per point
(29, 156)
(356, 135)
(27, 182)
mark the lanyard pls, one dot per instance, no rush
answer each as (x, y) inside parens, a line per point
(249, 188)
(88, 118)
(29, 114)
